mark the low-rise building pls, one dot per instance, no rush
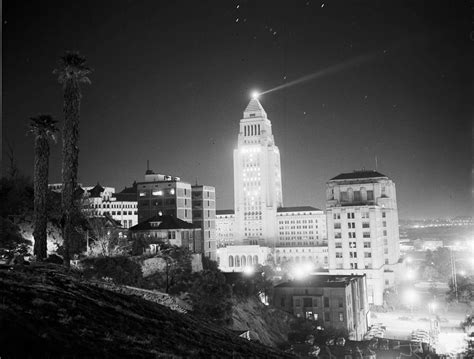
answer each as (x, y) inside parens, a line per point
(238, 258)
(337, 301)
(167, 229)
(317, 256)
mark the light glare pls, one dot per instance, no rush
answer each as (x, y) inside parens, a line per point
(255, 95)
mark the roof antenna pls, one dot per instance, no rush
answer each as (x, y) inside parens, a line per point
(376, 167)
(147, 165)
(196, 181)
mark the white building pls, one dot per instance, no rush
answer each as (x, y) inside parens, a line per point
(257, 179)
(225, 227)
(301, 226)
(99, 200)
(362, 228)
(238, 258)
(315, 255)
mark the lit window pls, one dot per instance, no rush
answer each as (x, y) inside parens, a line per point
(142, 194)
(172, 191)
(157, 193)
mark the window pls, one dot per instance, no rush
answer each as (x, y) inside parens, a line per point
(337, 225)
(142, 194)
(341, 317)
(384, 214)
(352, 234)
(337, 235)
(307, 302)
(365, 215)
(384, 223)
(338, 254)
(367, 255)
(282, 301)
(338, 244)
(157, 193)
(352, 244)
(370, 195)
(350, 215)
(353, 254)
(327, 316)
(365, 225)
(385, 232)
(340, 303)
(353, 265)
(297, 302)
(366, 234)
(367, 245)
(326, 302)
(351, 225)
(337, 216)
(385, 250)
(357, 196)
(386, 260)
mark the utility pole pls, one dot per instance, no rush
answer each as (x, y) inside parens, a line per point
(453, 273)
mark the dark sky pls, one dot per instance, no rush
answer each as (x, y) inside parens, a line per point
(171, 79)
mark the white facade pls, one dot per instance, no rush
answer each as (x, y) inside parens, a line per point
(362, 228)
(317, 256)
(257, 179)
(225, 227)
(123, 211)
(301, 226)
(238, 258)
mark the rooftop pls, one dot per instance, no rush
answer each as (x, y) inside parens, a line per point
(361, 174)
(321, 280)
(165, 222)
(297, 209)
(255, 106)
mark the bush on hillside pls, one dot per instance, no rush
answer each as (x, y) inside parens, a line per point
(121, 270)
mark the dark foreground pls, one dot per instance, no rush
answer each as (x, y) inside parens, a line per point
(46, 312)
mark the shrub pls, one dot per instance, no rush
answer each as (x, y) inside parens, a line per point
(122, 270)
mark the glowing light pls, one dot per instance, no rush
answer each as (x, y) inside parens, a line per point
(255, 95)
(249, 270)
(409, 259)
(411, 274)
(410, 296)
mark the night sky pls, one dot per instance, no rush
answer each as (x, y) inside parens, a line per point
(172, 78)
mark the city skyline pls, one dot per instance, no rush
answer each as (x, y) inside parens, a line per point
(180, 108)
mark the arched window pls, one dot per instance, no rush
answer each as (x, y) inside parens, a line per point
(237, 261)
(255, 259)
(231, 261)
(249, 260)
(243, 261)
(350, 194)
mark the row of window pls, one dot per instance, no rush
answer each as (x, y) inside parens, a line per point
(243, 261)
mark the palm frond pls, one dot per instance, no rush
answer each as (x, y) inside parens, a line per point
(72, 66)
(43, 125)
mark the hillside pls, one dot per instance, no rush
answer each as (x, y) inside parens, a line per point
(270, 324)
(46, 312)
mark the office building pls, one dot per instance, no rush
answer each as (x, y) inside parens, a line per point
(362, 228)
(337, 301)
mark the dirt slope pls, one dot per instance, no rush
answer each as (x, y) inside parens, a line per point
(48, 313)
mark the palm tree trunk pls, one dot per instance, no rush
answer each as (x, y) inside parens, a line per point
(40, 190)
(72, 102)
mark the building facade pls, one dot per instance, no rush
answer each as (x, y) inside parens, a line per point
(164, 195)
(167, 229)
(362, 229)
(225, 227)
(257, 179)
(301, 226)
(203, 199)
(238, 258)
(316, 256)
(334, 301)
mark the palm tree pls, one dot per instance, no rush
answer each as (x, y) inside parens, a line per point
(72, 72)
(44, 129)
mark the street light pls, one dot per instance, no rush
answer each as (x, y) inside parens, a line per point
(410, 297)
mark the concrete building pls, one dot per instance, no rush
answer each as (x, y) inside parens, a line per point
(100, 201)
(301, 226)
(317, 256)
(168, 229)
(362, 228)
(225, 227)
(257, 179)
(238, 258)
(165, 195)
(203, 199)
(337, 301)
